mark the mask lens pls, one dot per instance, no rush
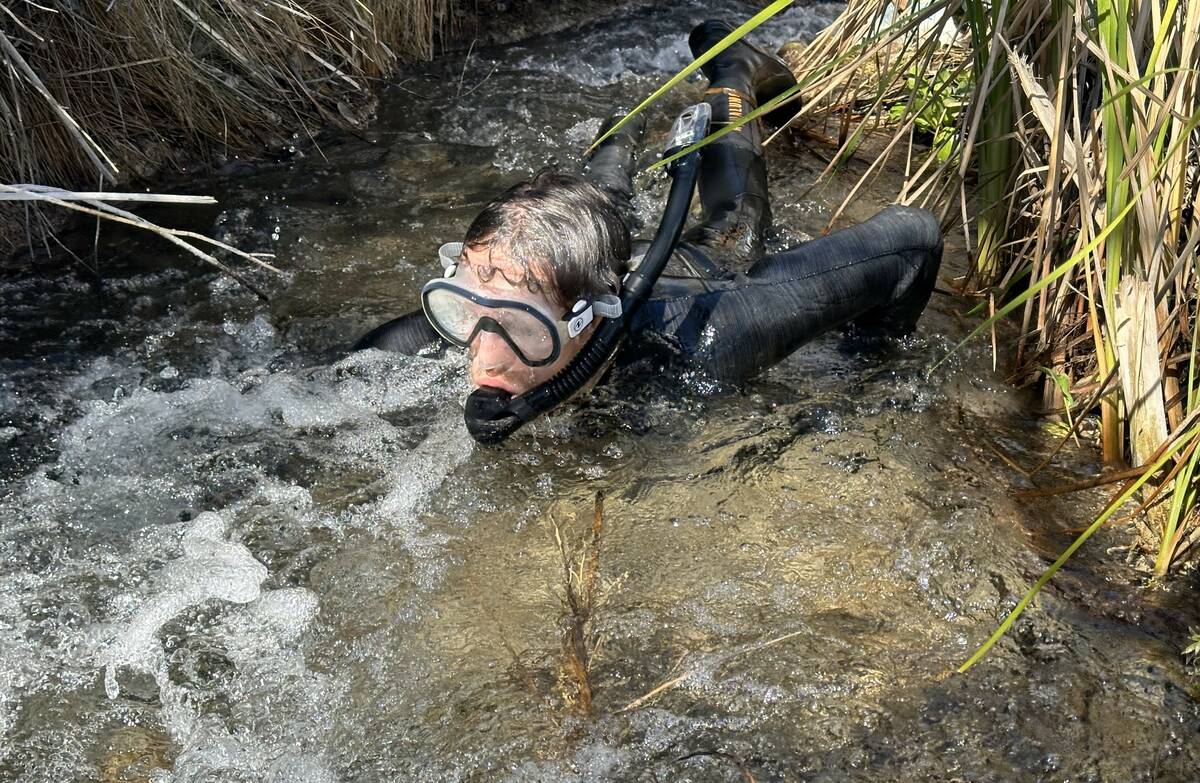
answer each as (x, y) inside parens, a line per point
(527, 332)
(453, 314)
(457, 315)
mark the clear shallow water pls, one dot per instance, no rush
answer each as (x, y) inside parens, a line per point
(229, 553)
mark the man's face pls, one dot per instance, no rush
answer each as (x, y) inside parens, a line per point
(491, 362)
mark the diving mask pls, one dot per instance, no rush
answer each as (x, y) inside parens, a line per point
(459, 307)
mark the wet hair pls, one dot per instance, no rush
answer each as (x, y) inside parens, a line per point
(560, 229)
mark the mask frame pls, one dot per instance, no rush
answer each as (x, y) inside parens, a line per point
(567, 327)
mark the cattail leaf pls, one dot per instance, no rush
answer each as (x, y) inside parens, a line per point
(1096, 524)
(720, 46)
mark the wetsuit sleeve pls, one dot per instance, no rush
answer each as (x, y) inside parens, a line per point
(408, 334)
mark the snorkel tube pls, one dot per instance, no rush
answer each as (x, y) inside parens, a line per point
(493, 414)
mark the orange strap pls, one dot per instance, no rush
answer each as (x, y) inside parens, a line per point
(738, 102)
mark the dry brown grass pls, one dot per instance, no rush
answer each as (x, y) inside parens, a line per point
(97, 92)
(101, 93)
(580, 597)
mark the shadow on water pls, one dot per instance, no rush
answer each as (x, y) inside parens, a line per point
(229, 552)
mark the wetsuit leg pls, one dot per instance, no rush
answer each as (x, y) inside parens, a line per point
(877, 275)
(610, 166)
(735, 205)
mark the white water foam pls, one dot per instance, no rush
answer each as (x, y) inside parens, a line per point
(211, 568)
(660, 46)
(103, 518)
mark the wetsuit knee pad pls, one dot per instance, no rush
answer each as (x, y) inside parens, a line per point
(914, 239)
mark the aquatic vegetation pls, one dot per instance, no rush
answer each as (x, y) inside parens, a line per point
(1063, 382)
(940, 96)
(581, 594)
(1193, 649)
(1124, 495)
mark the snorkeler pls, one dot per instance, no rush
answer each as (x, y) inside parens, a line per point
(547, 291)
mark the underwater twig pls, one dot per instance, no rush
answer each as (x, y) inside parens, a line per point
(481, 82)
(1188, 543)
(1007, 460)
(1077, 486)
(580, 578)
(182, 239)
(639, 701)
(463, 75)
(669, 684)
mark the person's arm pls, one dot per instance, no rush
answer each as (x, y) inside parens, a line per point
(408, 334)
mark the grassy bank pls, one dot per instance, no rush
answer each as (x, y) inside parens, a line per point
(99, 94)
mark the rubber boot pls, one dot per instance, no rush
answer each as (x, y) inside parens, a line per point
(735, 205)
(610, 166)
(745, 67)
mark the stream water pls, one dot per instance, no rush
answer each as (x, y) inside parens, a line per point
(230, 552)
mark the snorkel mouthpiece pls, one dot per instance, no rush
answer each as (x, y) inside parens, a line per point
(492, 414)
(487, 415)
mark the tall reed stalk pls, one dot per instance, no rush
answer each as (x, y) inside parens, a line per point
(995, 154)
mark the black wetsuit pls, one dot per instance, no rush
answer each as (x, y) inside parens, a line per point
(741, 311)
